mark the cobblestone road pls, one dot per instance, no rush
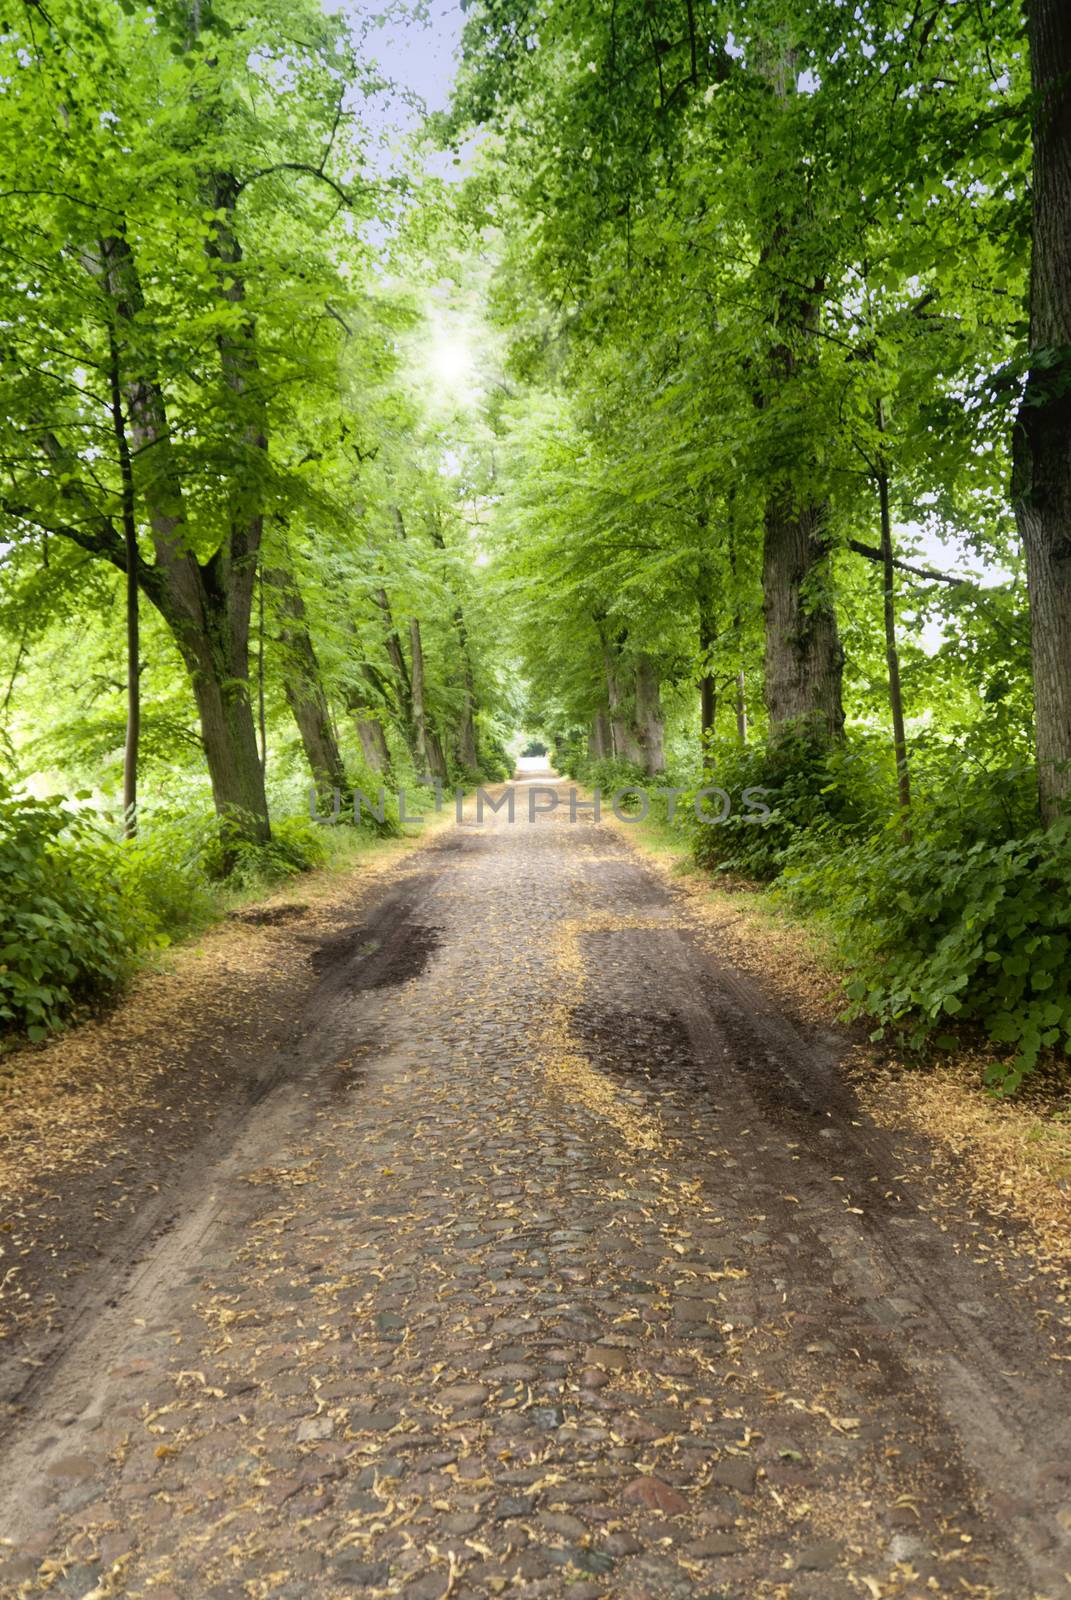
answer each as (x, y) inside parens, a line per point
(567, 1269)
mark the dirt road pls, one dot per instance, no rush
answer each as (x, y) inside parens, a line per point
(560, 1262)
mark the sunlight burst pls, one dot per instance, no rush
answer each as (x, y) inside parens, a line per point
(451, 363)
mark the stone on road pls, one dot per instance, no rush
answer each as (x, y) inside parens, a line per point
(542, 1284)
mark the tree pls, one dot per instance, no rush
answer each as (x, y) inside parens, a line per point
(182, 226)
(1042, 482)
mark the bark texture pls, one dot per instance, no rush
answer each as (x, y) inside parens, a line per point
(1042, 442)
(303, 683)
(650, 729)
(131, 591)
(708, 692)
(804, 660)
(892, 651)
(624, 744)
(206, 604)
(366, 707)
(428, 750)
(599, 744)
(374, 744)
(465, 740)
(400, 681)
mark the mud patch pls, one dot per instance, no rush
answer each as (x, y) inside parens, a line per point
(631, 1044)
(378, 956)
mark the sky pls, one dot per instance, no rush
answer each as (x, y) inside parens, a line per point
(422, 55)
(418, 56)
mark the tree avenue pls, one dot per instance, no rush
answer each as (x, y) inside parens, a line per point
(710, 423)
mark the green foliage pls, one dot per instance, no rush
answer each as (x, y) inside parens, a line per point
(760, 256)
(459, 452)
(496, 763)
(568, 752)
(939, 927)
(808, 789)
(608, 774)
(296, 845)
(79, 907)
(164, 872)
(70, 931)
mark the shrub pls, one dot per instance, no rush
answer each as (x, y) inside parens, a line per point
(940, 926)
(569, 753)
(608, 774)
(496, 764)
(163, 870)
(68, 930)
(809, 790)
(79, 906)
(296, 845)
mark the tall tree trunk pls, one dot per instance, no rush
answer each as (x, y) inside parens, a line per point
(262, 715)
(428, 749)
(624, 745)
(218, 660)
(130, 583)
(468, 753)
(236, 561)
(206, 605)
(740, 696)
(708, 693)
(708, 709)
(303, 683)
(804, 659)
(1042, 440)
(366, 709)
(892, 653)
(650, 729)
(374, 744)
(403, 688)
(228, 733)
(741, 707)
(599, 742)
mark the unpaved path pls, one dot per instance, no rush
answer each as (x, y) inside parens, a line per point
(558, 1261)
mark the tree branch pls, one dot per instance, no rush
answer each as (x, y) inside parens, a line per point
(298, 166)
(872, 553)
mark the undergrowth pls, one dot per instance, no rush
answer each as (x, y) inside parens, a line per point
(80, 907)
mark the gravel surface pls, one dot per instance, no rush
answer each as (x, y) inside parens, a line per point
(561, 1262)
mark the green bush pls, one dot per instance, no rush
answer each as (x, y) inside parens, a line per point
(809, 789)
(79, 906)
(69, 931)
(496, 763)
(297, 844)
(940, 926)
(967, 918)
(163, 870)
(569, 753)
(608, 774)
